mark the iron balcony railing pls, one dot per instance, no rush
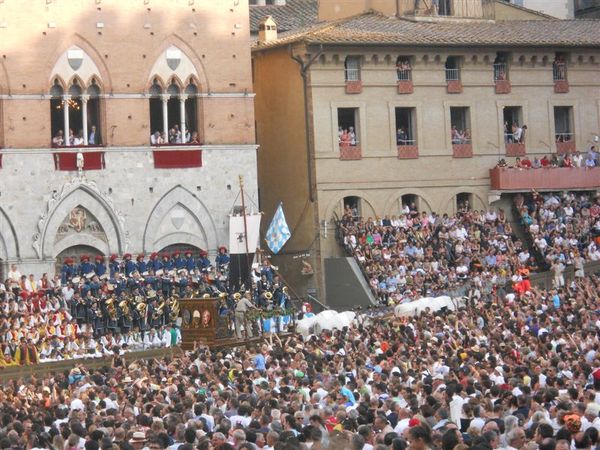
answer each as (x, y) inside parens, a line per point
(352, 74)
(500, 72)
(452, 74)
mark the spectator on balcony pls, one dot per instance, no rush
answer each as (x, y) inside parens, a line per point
(536, 164)
(71, 137)
(590, 162)
(566, 161)
(78, 139)
(402, 69)
(173, 136)
(401, 137)
(545, 161)
(517, 131)
(455, 135)
(523, 134)
(345, 138)
(467, 136)
(460, 136)
(58, 140)
(524, 163)
(195, 139)
(155, 138)
(352, 135)
(93, 137)
(577, 159)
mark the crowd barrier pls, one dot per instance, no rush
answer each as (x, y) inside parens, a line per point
(544, 279)
(55, 367)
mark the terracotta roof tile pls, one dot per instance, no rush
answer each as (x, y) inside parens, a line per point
(376, 29)
(293, 15)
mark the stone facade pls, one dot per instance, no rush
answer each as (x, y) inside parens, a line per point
(138, 208)
(436, 174)
(115, 53)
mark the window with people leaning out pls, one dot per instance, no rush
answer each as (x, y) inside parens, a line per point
(460, 125)
(403, 68)
(347, 126)
(75, 115)
(514, 129)
(173, 114)
(405, 126)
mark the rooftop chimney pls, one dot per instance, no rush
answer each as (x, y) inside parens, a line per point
(267, 30)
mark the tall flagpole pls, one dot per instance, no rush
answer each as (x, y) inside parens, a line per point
(245, 230)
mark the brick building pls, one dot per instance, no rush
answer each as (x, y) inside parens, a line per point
(114, 73)
(402, 79)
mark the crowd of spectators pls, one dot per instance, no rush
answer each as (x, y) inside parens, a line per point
(415, 255)
(460, 136)
(403, 69)
(93, 306)
(577, 159)
(499, 373)
(76, 139)
(515, 133)
(175, 136)
(564, 228)
(347, 136)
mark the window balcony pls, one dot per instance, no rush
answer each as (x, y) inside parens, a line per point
(408, 151)
(350, 152)
(67, 160)
(353, 81)
(453, 83)
(501, 81)
(565, 143)
(462, 150)
(405, 84)
(559, 75)
(550, 178)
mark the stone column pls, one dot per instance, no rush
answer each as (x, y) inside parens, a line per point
(84, 100)
(182, 99)
(66, 98)
(165, 100)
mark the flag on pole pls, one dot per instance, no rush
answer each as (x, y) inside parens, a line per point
(237, 233)
(278, 232)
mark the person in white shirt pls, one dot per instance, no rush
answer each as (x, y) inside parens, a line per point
(456, 406)
(14, 276)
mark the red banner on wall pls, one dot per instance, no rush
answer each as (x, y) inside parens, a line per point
(177, 159)
(68, 160)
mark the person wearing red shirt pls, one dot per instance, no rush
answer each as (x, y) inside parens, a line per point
(525, 163)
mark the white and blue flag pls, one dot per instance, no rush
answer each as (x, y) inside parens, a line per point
(278, 232)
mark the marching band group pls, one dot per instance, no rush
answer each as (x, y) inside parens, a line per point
(94, 308)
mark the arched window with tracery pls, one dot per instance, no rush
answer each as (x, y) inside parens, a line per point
(75, 109)
(56, 114)
(174, 109)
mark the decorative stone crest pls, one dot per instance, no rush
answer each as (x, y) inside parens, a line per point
(77, 217)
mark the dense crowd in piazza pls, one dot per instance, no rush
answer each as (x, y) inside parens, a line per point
(508, 373)
(511, 371)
